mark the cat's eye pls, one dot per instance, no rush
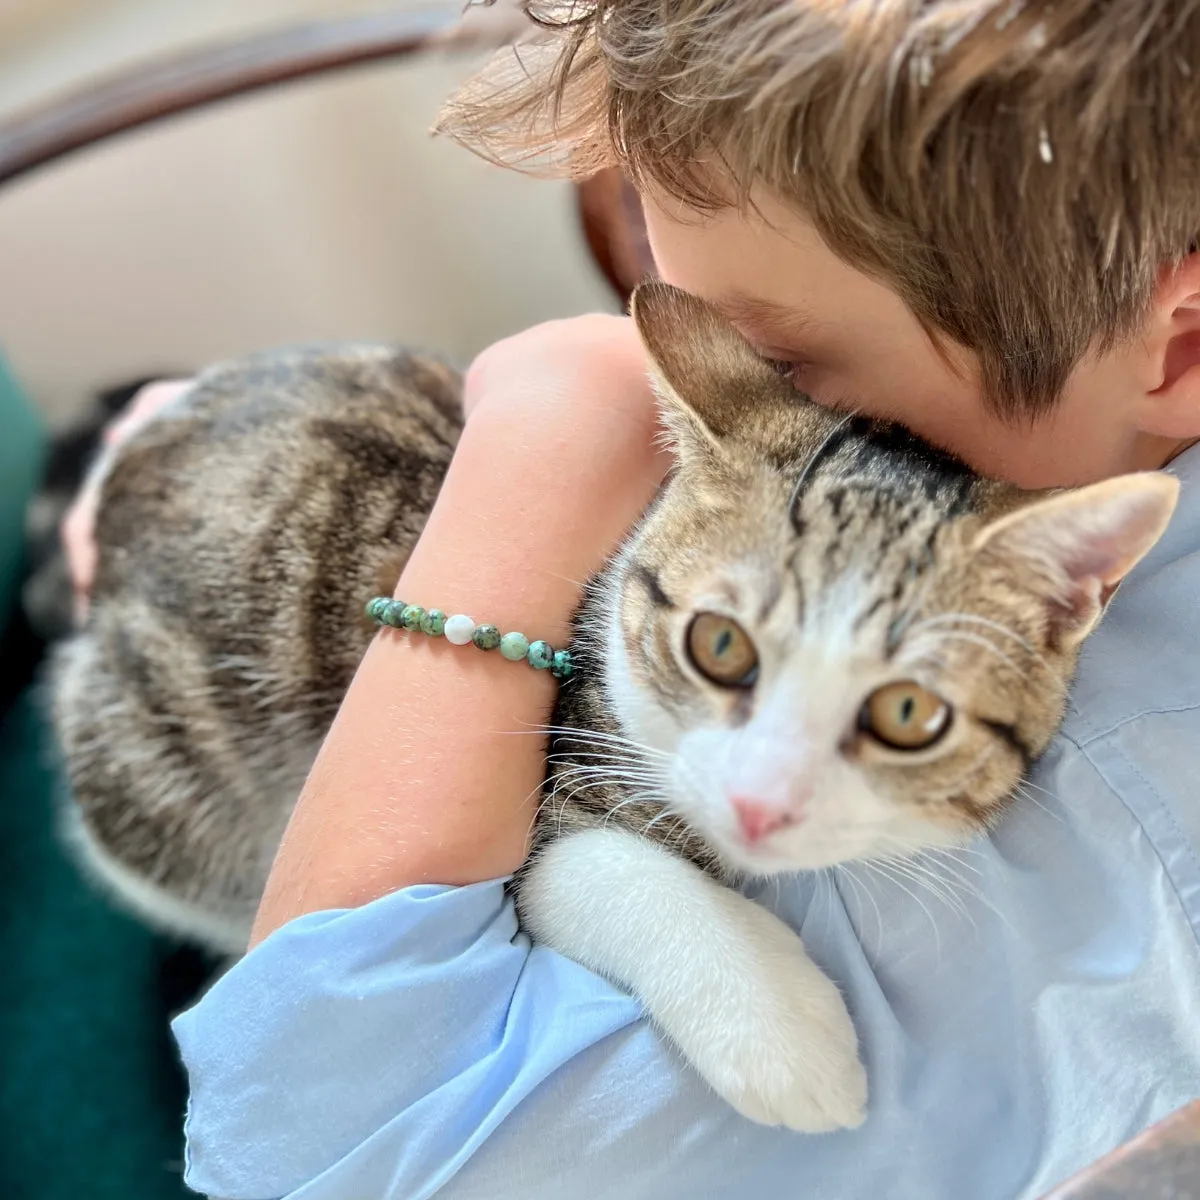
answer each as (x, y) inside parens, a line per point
(721, 650)
(905, 716)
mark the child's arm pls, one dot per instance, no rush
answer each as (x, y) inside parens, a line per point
(371, 1052)
(431, 772)
(429, 776)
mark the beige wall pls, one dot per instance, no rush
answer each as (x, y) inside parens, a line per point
(317, 212)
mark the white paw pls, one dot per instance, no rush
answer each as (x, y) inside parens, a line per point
(729, 983)
(771, 1034)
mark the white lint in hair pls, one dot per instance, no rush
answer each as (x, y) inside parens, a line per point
(1044, 148)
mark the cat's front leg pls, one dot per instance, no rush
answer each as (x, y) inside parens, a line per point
(728, 982)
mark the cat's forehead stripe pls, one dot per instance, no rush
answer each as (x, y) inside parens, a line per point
(650, 580)
(771, 596)
(882, 459)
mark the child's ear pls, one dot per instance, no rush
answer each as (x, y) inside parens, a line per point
(1073, 548)
(711, 385)
(1172, 408)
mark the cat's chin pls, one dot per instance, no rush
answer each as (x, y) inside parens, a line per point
(802, 850)
(786, 856)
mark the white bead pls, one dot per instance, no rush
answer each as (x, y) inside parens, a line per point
(459, 629)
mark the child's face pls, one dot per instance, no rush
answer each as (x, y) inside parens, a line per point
(858, 347)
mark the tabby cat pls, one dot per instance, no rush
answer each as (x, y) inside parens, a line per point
(825, 641)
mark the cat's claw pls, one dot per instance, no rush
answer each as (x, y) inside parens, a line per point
(778, 1043)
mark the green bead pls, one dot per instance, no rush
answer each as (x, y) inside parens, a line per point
(392, 613)
(487, 637)
(540, 655)
(433, 622)
(410, 618)
(514, 646)
(375, 608)
(562, 667)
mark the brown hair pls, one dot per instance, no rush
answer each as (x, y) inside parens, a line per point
(1019, 171)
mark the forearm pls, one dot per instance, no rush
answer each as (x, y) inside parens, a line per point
(432, 769)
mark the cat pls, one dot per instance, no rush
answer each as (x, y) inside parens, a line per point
(46, 599)
(825, 641)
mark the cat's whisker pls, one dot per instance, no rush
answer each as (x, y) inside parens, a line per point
(1020, 792)
(924, 873)
(570, 794)
(599, 739)
(613, 785)
(913, 851)
(613, 754)
(618, 772)
(1038, 658)
(974, 619)
(1037, 787)
(566, 762)
(881, 866)
(918, 845)
(1049, 679)
(976, 639)
(580, 584)
(950, 855)
(980, 895)
(666, 812)
(916, 868)
(860, 887)
(635, 798)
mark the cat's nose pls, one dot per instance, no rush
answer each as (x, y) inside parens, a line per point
(758, 818)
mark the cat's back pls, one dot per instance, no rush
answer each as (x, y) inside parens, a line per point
(239, 533)
(279, 466)
(254, 517)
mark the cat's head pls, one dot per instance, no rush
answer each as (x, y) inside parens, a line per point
(835, 641)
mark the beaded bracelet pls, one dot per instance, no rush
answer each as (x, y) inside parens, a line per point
(461, 631)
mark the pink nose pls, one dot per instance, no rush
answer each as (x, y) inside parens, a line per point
(758, 819)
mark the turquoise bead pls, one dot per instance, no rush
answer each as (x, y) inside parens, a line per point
(514, 646)
(487, 637)
(375, 608)
(410, 618)
(562, 667)
(433, 622)
(540, 655)
(393, 612)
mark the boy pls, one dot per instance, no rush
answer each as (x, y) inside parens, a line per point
(978, 218)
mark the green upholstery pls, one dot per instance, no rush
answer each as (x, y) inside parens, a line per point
(22, 446)
(91, 1097)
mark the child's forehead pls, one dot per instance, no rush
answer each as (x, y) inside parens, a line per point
(743, 308)
(765, 266)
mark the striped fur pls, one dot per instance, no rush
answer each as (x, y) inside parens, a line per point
(240, 532)
(239, 535)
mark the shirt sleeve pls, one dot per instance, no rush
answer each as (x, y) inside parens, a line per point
(387, 1041)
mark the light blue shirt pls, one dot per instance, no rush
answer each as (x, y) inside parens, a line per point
(1041, 1011)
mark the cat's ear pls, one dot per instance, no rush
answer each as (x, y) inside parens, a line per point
(711, 385)
(1074, 548)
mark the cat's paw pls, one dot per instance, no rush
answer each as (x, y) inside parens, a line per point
(773, 1037)
(728, 982)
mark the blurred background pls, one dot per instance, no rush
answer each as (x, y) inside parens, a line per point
(315, 211)
(318, 210)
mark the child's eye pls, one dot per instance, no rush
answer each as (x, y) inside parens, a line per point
(788, 369)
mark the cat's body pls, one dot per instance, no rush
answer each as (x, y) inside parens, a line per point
(826, 641)
(191, 708)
